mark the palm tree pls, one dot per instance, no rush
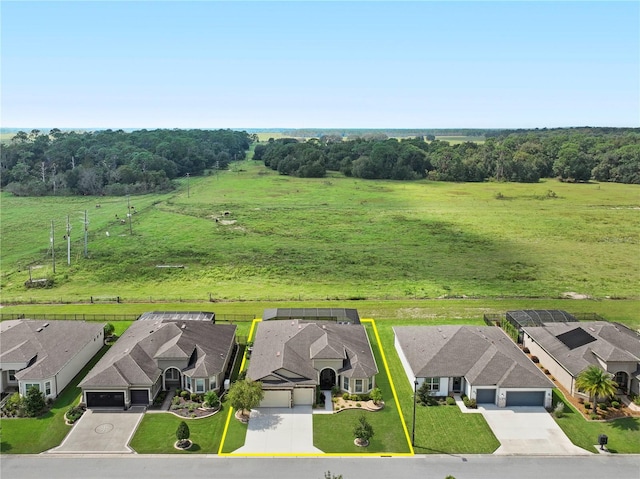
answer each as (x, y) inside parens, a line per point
(596, 382)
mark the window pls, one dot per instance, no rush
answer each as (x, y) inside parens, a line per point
(29, 386)
(359, 385)
(370, 386)
(199, 385)
(172, 374)
(213, 382)
(433, 384)
(187, 382)
(12, 374)
(345, 383)
(47, 388)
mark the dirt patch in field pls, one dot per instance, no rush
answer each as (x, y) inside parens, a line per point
(574, 295)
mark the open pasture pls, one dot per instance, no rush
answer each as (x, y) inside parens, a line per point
(251, 234)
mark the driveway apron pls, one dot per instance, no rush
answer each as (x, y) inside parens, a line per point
(100, 432)
(280, 430)
(528, 430)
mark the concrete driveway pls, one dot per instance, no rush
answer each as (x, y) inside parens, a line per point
(280, 430)
(100, 432)
(528, 431)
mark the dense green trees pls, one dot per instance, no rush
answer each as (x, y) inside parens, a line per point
(519, 156)
(113, 162)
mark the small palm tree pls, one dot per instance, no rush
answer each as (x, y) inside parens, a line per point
(597, 383)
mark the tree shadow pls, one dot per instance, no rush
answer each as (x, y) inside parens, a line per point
(626, 424)
(5, 447)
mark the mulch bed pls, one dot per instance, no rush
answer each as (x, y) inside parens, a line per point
(344, 404)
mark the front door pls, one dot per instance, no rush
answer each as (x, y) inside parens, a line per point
(457, 385)
(327, 378)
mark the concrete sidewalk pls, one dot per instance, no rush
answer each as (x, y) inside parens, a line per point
(280, 430)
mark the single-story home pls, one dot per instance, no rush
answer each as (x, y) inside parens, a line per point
(479, 361)
(46, 355)
(160, 352)
(566, 349)
(292, 357)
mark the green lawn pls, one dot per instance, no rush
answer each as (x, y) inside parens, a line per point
(157, 433)
(333, 433)
(236, 434)
(35, 435)
(623, 434)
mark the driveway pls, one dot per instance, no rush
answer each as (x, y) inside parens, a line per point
(280, 430)
(100, 432)
(528, 431)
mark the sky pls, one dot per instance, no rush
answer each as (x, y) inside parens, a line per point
(328, 64)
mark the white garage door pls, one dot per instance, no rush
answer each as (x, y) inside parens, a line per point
(276, 399)
(303, 396)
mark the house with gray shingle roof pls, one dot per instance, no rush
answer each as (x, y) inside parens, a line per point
(479, 361)
(157, 354)
(566, 349)
(292, 357)
(46, 355)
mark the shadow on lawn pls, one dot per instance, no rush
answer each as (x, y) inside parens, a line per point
(438, 451)
(625, 424)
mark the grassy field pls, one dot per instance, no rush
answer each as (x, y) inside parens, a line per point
(331, 239)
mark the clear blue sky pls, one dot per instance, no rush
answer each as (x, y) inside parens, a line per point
(320, 64)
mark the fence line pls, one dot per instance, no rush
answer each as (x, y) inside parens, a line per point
(229, 318)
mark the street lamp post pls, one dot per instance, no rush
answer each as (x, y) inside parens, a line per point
(413, 430)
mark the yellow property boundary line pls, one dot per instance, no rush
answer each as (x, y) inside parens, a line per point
(330, 454)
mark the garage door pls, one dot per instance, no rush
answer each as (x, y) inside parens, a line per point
(525, 398)
(484, 396)
(303, 396)
(105, 399)
(139, 396)
(276, 399)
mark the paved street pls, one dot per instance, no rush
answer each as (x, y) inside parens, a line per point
(431, 467)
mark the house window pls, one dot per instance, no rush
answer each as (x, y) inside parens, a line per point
(199, 385)
(29, 386)
(188, 382)
(213, 382)
(345, 383)
(433, 384)
(370, 385)
(12, 374)
(47, 388)
(359, 385)
(172, 374)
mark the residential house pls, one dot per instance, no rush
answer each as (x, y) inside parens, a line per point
(46, 355)
(158, 352)
(479, 361)
(566, 349)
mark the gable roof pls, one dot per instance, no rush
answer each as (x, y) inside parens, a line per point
(44, 346)
(291, 346)
(483, 354)
(611, 342)
(133, 359)
(345, 315)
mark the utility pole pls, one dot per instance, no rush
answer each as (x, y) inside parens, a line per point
(68, 242)
(53, 248)
(86, 228)
(129, 216)
(188, 174)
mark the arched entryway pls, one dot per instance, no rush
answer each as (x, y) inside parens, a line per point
(327, 378)
(172, 378)
(622, 378)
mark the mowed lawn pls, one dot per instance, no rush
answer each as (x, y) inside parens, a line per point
(333, 433)
(623, 434)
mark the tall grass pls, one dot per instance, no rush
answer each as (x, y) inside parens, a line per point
(335, 238)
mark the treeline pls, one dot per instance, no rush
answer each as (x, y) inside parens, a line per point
(113, 162)
(523, 156)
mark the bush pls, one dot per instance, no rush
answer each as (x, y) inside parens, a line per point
(535, 359)
(345, 396)
(34, 402)
(176, 400)
(615, 404)
(587, 406)
(211, 399)
(559, 410)
(451, 401)
(603, 406)
(358, 404)
(335, 390)
(75, 413)
(194, 397)
(594, 417)
(182, 433)
(546, 371)
(580, 400)
(525, 350)
(184, 394)
(109, 329)
(376, 395)
(470, 403)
